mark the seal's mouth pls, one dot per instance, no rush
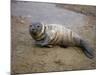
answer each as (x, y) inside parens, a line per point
(34, 32)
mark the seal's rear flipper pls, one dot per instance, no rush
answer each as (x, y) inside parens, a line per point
(87, 49)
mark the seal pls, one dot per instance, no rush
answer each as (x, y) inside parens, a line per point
(49, 35)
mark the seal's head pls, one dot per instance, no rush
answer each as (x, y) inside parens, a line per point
(35, 28)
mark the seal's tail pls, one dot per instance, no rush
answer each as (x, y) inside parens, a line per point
(87, 49)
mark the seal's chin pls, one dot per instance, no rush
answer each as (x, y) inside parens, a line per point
(34, 33)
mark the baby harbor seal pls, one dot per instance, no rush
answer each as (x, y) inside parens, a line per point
(49, 35)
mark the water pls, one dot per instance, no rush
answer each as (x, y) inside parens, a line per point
(48, 13)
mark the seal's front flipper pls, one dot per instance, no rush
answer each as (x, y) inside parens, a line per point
(87, 49)
(63, 46)
(47, 46)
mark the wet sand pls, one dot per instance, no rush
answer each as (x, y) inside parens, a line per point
(28, 58)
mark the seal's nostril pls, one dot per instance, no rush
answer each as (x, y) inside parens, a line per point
(33, 29)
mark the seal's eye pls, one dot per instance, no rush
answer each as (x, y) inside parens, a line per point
(30, 25)
(38, 26)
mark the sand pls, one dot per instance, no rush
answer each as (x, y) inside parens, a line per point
(28, 58)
